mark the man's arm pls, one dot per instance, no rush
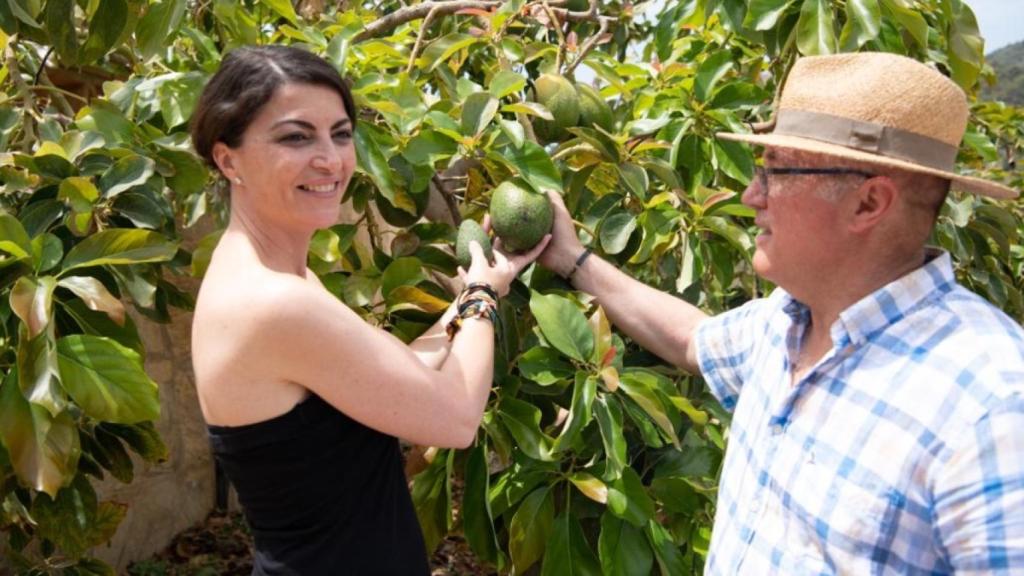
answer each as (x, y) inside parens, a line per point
(978, 495)
(659, 322)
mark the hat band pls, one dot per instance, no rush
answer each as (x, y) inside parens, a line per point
(868, 137)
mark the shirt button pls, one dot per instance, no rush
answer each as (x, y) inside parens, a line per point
(776, 429)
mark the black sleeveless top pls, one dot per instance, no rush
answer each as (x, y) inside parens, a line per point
(323, 494)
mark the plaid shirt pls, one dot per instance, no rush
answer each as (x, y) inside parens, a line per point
(900, 452)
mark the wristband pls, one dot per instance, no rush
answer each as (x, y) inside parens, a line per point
(579, 262)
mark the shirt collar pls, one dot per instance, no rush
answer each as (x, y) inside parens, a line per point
(888, 304)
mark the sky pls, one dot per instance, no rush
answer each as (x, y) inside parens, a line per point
(1000, 21)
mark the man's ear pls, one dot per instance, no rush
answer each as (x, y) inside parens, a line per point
(875, 199)
(224, 158)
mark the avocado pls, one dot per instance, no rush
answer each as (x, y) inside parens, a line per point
(594, 111)
(469, 230)
(519, 216)
(559, 96)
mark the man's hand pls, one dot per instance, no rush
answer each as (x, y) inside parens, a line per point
(565, 247)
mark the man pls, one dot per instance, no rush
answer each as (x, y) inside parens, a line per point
(878, 407)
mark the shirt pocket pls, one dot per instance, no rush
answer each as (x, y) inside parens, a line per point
(838, 523)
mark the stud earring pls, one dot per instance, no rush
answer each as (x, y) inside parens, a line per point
(237, 180)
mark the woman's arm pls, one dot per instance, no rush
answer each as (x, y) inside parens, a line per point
(432, 347)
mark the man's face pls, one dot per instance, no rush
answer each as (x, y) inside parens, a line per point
(799, 216)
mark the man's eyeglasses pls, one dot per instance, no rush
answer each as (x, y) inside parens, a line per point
(762, 172)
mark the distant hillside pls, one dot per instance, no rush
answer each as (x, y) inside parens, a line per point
(1008, 62)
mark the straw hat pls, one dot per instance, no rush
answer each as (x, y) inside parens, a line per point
(878, 108)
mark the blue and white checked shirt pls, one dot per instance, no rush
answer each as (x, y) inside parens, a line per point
(900, 452)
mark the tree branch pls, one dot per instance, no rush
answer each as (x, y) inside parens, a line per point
(453, 207)
(419, 39)
(589, 44)
(384, 25)
(28, 134)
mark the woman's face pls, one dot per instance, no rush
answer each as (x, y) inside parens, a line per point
(295, 159)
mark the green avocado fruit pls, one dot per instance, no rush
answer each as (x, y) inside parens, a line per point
(470, 230)
(594, 111)
(560, 97)
(519, 216)
(578, 5)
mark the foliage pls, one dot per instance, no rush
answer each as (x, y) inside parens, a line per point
(1007, 83)
(594, 456)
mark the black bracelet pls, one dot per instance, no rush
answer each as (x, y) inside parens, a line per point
(579, 262)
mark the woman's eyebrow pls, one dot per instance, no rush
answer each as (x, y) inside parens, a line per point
(303, 124)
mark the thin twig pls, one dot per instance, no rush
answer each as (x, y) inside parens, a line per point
(28, 134)
(383, 25)
(42, 65)
(557, 25)
(589, 45)
(419, 39)
(453, 207)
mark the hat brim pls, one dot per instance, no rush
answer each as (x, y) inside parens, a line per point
(962, 183)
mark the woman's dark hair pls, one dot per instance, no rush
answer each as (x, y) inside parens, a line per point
(246, 81)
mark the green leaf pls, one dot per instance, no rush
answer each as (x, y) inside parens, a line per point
(440, 50)
(142, 438)
(534, 164)
(284, 9)
(910, 20)
(99, 324)
(107, 380)
(563, 325)
(95, 295)
(406, 271)
(815, 30)
(863, 22)
(413, 298)
(635, 179)
(966, 50)
(59, 23)
(623, 549)
(126, 173)
(31, 300)
(676, 495)
(615, 232)
(637, 386)
(530, 108)
(544, 366)
(628, 499)
(74, 521)
(78, 192)
(523, 422)
(590, 487)
(374, 163)
(580, 411)
(47, 252)
(506, 82)
(19, 12)
(159, 24)
(478, 522)
(568, 553)
(670, 559)
(609, 419)
(735, 160)
(531, 526)
(43, 449)
(477, 112)
(105, 28)
(765, 14)
(120, 246)
(13, 238)
(710, 72)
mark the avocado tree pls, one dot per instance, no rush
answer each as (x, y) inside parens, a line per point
(594, 456)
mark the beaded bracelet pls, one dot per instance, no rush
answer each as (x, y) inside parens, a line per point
(473, 308)
(477, 300)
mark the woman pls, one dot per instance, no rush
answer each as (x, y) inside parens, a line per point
(303, 399)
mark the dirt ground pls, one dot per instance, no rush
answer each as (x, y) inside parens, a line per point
(221, 546)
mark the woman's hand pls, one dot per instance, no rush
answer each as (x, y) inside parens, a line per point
(506, 266)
